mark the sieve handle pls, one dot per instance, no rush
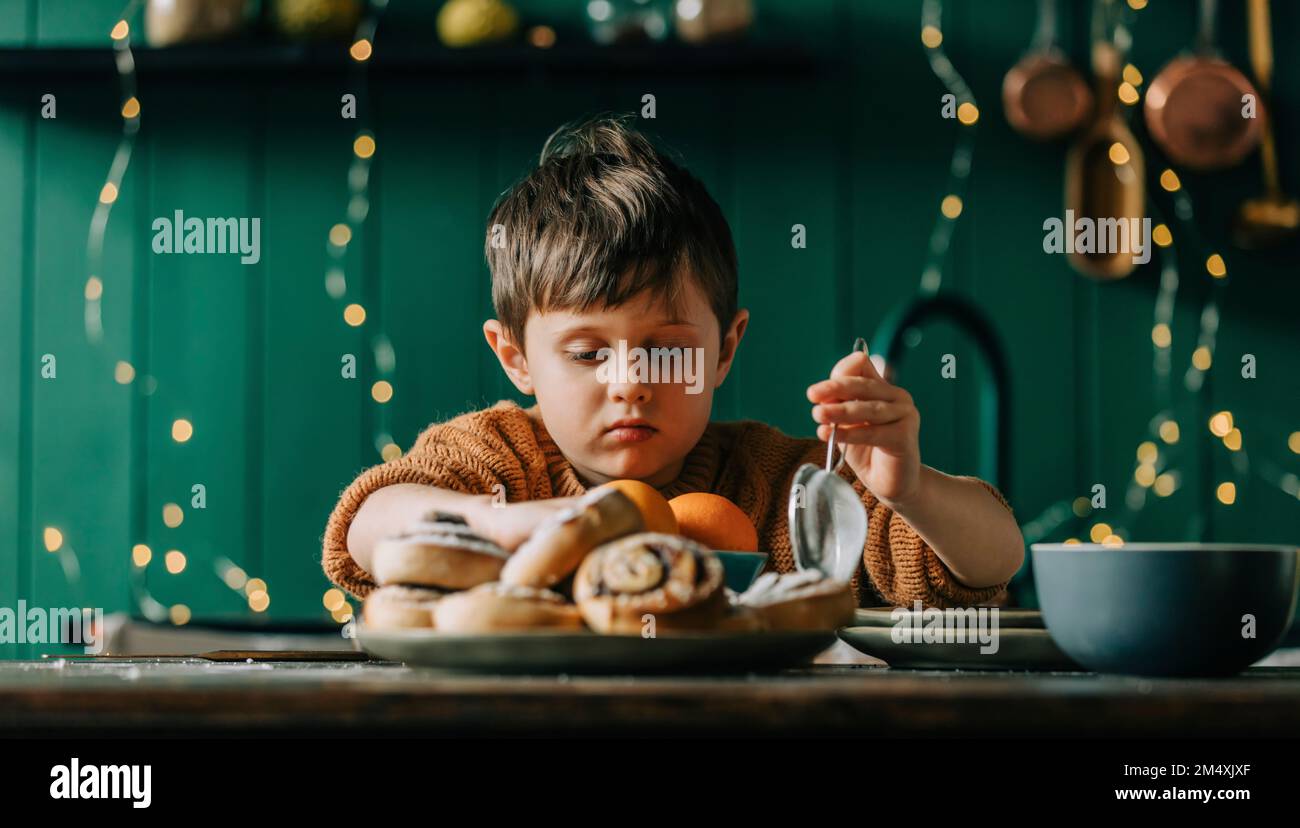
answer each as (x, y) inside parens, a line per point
(859, 344)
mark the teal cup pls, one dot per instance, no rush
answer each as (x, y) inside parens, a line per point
(740, 569)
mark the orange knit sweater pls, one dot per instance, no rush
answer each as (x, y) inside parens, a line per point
(748, 462)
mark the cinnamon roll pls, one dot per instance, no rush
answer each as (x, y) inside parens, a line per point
(399, 607)
(676, 580)
(560, 542)
(439, 551)
(497, 607)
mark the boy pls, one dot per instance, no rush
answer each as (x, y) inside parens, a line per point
(610, 245)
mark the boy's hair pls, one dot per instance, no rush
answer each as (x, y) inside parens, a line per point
(603, 217)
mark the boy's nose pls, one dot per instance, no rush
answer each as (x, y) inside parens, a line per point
(637, 393)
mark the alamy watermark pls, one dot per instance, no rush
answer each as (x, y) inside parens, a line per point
(953, 625)
(179, 234)
(652, 365)
(59, 625)
(1103, 235)
(77, 781)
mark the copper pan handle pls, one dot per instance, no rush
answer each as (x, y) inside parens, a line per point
(1261, 61)
(1205, 28)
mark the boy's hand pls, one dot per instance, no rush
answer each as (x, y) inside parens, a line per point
(877, 427)
(510, 524)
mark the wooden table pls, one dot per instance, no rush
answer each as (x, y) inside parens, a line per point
(148, 696)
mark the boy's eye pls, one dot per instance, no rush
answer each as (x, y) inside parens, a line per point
(584, 356)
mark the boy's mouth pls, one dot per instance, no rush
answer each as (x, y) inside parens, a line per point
(633, 430)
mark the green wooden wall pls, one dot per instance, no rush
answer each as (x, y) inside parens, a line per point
(855, 151)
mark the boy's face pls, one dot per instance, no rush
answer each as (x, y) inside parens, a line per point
(609, 417)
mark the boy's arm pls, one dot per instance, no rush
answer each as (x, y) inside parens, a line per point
(902, 566)
(385, 498)
(969, 528)
(401, 504)
(936, 538)
(459, 465)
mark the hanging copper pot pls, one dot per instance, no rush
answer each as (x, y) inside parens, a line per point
(1194, 107)
(1044, 97)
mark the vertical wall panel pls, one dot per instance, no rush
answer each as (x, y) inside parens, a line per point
(16, 367)
(16, 21)
(83, 22)
(898, 184)
(314, 441)
(80, 419)
(200, 331)
(781, 178)
(431, 289)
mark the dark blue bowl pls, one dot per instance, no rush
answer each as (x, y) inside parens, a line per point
(1166, 609)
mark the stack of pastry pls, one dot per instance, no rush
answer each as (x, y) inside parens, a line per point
(522, 597)
(590, 566)
(441, 574)
(417, 567)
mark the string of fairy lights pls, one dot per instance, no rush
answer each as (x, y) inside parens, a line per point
(254, 591)
(1159, 457)
(959, 167)
(93, 292)
(339, 238)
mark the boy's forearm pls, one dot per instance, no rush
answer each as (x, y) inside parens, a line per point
(399, 505)
(970, 531)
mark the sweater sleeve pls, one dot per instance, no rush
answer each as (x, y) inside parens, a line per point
(904, 568)
(472, 454)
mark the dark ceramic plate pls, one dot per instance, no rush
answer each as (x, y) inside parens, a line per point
(888, 616)
(1017, 649)
(587, 652)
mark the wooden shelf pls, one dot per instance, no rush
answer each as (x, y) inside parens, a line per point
(262, 58)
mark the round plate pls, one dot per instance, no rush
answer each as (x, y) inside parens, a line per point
(1017, 650)
(587, 652)
(1019, 619)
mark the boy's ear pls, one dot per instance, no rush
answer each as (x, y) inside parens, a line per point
(730, 342)
(511, 358)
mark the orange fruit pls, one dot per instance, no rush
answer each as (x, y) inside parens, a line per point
(714, 521)
(654, 508)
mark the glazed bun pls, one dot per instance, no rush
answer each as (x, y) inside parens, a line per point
(674, 579)
(561, 541)
(497, 607)
(400, 607)
(805, 600)
(440, 551)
